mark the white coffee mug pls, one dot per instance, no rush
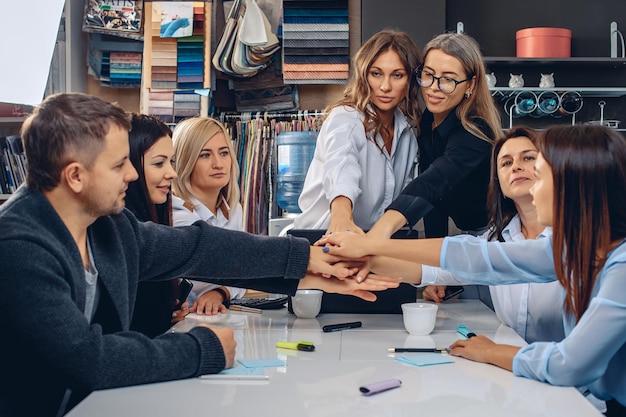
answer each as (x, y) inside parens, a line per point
(306, 304)
(419, 318)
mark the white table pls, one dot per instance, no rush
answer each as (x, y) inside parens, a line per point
(325, 382)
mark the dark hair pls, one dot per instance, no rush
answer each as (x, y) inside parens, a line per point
(65, 128)
(501, 209)
(145, 132)
(589, 172)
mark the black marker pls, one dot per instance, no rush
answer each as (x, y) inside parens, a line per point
(341, 326)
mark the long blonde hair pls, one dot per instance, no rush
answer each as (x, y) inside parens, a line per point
(358, 91)
(189, 137)
(479, 105)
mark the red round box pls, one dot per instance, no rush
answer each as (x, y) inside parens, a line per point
(544, 43)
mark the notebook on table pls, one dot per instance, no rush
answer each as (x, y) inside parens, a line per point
(388, 301)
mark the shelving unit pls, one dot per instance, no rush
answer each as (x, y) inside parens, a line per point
(595, 79)
(575, 62)
(584, 91)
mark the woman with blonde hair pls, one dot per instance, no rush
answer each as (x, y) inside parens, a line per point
(366, 148)
(206, 189)
(456, 137)
(457, 132)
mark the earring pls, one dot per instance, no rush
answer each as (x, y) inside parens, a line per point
(468, 94)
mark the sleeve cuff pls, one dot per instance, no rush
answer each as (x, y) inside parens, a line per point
(429, 275)
(299, 254)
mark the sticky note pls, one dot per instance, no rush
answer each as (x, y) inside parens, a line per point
(262, 363)
(242, 370)
(425, 359)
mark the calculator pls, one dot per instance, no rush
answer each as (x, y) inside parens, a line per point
(261, 303)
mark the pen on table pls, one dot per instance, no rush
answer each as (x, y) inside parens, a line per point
(341, 326)
(465, 331)
(434, 350)
(236, 377)
(245, 309)
(301, 345)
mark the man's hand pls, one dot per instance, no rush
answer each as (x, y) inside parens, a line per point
(350, 286)
(226, 337)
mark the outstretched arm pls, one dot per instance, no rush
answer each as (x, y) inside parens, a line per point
(389, 223)
(350, 245)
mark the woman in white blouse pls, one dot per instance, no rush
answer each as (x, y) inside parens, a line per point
(206, 189)
(366, 148)
(532, 310)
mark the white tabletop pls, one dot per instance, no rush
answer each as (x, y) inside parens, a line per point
(326, 382)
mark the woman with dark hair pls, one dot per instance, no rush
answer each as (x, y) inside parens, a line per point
(528, 308)
(149, 198)
(580, 191)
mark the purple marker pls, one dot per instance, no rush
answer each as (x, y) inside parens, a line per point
(381, 386)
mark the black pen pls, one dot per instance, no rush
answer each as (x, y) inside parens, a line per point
(341, 326)
(434, 350)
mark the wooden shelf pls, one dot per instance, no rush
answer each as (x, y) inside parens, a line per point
(600, 62)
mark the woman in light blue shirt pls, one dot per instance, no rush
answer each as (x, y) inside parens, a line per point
(580, 191)
(533, 310)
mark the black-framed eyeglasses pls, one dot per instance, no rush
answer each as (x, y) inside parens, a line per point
(447, 85)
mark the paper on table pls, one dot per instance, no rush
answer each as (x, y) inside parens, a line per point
(238, 373)
(425, 359)
(242, 370)
(262, 363)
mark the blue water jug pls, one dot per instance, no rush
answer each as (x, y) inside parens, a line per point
(295, 153)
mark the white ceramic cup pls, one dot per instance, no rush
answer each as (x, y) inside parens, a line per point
(306, 304)
(419, 318)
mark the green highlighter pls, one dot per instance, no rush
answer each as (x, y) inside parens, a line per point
(301, 345)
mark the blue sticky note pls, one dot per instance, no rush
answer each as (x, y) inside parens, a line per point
(262, 363)
(242, 370)
(425, 359)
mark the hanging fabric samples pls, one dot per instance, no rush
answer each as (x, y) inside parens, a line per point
(254, 141)
(315, 42)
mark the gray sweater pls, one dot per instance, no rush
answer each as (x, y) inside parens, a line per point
(49, 346)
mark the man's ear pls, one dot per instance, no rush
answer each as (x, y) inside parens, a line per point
(73, 174)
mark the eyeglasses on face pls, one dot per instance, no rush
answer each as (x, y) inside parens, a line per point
(447, 85)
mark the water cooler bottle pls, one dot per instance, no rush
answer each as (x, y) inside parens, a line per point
(294, 154)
